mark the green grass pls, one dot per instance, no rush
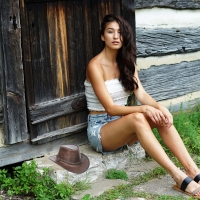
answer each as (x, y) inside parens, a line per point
(116, 174)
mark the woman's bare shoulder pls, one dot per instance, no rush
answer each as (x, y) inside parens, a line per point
(94, 69)
(95, 62)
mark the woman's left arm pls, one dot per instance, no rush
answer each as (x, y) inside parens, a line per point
(145, 99)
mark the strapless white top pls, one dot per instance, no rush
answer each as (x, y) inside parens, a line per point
(115, 89)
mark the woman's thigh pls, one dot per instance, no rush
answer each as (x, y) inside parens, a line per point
(119, 132)
(95, 123)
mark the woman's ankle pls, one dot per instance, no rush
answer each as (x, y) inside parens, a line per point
(178, 176)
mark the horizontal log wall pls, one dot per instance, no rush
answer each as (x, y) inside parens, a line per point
(171, 81)
(177, 4)
(166, 41)
(167, 81)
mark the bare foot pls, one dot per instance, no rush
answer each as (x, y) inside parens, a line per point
(191, 186)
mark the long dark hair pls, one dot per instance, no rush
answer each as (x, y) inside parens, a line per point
(126, 57)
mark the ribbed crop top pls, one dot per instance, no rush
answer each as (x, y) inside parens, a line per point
(115, 89)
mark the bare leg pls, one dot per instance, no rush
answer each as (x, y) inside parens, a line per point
(173, 141)
(119, 132)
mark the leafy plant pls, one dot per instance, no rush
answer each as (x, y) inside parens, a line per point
(25, 180)
(116, 174)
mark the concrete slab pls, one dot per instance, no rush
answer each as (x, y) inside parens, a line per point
(98, 188)
(102, 184)
(159, 186)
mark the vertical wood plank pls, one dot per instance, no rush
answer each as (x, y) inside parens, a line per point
(78, 70)
(2, 89)
(128, 12)
(13, 76)
(79, 44)
(109, 7)
(26, 54)
(42, 73)
(88, 50)
(71, 44)
(56, 16)
(116, 5)
(96, 41)
(39, 37)
(102, 10)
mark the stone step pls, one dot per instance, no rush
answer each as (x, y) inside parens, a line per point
(99, 164)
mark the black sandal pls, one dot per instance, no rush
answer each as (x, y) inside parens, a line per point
(184, 185)
(197, 178)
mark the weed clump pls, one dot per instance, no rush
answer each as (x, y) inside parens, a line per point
(26, 180)
(116, 174)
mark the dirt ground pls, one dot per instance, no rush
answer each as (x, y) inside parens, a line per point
(5, 196)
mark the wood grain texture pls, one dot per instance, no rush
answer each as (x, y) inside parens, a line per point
(61, 133)
(176, 4)
(171, 81)
(12, 76)
(165, 41)
(27, 64)
(57, 30)
(1, 77)
(40, 56)
(57, 107)
(128, 12)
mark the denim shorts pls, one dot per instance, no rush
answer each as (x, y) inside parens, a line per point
(95, 122)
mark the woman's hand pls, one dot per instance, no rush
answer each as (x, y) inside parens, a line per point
(168, 116)
(157, 116)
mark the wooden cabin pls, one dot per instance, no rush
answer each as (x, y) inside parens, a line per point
(45, 46)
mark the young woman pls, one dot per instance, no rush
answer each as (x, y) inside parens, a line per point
(110, 77)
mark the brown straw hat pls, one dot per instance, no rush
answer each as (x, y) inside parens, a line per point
(70, 158)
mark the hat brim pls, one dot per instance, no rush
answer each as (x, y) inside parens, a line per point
(82, 167)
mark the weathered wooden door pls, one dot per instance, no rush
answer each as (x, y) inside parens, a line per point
(59, 38)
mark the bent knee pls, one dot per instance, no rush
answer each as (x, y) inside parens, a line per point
(138, 118)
